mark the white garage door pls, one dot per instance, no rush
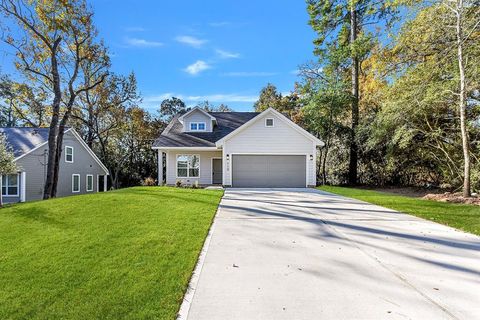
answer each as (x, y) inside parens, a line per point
(268, 171)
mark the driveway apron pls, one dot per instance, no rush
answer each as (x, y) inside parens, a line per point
(306, 254)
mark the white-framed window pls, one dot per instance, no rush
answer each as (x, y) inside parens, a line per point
(89, 183)
(68, 154)
(188, 166)
(10, 185)
(198, 126)
(75, 183)
(269, 122)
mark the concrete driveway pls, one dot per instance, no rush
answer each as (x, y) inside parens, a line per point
(305, 254)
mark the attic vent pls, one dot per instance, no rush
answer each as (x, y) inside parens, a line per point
(269, 122)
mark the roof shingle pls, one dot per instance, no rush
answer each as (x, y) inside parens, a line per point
(22, 140)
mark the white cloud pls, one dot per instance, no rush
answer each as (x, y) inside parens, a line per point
(249, 74)
(197, 67)
(135, 29)
(191, 41)
(136, 42)
(214, 98)
(226, 54)
(219, 24)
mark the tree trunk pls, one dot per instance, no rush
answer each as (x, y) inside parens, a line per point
(58, 153)
(462, 100)
(53, 132)
(353, 165)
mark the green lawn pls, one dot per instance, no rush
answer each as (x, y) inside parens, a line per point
(126, 254)
(460, 216)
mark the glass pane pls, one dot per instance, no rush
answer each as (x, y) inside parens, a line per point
(12, 180)
(89, 182)
(4, 190)
(76, 183)
(193, 172)
(194, 162)
(193, 126)
(12, 190)
(182, 173)
(201, 126)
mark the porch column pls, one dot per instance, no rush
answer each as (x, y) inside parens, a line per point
(23, 186)
(105, 177)
(160, 167)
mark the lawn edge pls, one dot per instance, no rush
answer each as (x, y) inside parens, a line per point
(191, 288)
(402, 212)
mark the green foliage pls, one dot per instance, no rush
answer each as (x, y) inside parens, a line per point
(7, 163)
(125, 254)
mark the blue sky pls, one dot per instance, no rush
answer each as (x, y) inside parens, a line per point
(220, 51)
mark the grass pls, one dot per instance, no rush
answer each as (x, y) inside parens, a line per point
(127, 254)
(460, 216)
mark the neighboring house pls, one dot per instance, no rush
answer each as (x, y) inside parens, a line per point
(237, 149)
(80, 169)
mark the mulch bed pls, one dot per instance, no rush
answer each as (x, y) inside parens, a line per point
(453, 197)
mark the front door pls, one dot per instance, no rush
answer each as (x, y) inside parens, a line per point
(217, 171)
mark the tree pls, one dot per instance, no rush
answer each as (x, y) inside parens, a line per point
(170, 107)
(7, 163)
(207, 106)
(52, 39)
(269, 98)
(342, 24)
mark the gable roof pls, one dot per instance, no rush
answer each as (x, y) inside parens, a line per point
(208, 114)
(23, 140)
(289, 122)
(226, 122)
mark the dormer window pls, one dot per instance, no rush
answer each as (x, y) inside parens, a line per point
(197, 126)
(269, 122)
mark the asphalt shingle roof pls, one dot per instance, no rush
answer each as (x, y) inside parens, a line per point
(22, 140)
(227, 122)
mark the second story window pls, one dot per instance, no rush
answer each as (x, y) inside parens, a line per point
(69, 154)
(197, 126)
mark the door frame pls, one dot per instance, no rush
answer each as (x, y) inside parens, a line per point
(271, 154)
(211, 167)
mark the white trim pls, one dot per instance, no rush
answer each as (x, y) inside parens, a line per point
(269, 154)
(73, 182)
(197, 123)
(7, 186)
(98, 183)
(86, 183)
(195, 109)
(176, 166)
(187, 148)
(211, 168)
(247, 124)
(273, 122)
(23, 186)
(105, 183)
(73, 159)
(94, 156)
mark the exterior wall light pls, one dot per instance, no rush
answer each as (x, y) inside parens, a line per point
(228, 157)
(311, 157)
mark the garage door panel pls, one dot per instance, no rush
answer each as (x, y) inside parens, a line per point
(263, 171)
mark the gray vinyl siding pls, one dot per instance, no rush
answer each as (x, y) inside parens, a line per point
(281, 139)
(197, 116)
(34, 164)
(205, 177)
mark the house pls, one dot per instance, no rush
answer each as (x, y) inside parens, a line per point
(237, 149)
(80, 169)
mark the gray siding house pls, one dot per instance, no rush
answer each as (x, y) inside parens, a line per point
(80, 169)
(237, 149)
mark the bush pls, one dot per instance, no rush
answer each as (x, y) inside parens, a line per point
(179, 183)
(149, 182)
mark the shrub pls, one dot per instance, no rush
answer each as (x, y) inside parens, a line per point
(179, 183)
(148, 182)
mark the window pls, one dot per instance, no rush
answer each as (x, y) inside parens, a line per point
(188, 166)
(89, 182)
(69, 154)
(75, 183)
(197, 126)
(269, 122)
(10, 185)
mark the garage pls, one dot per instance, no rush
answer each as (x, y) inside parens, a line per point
(269, 171)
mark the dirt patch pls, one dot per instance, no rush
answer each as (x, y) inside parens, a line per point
(453, 197)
